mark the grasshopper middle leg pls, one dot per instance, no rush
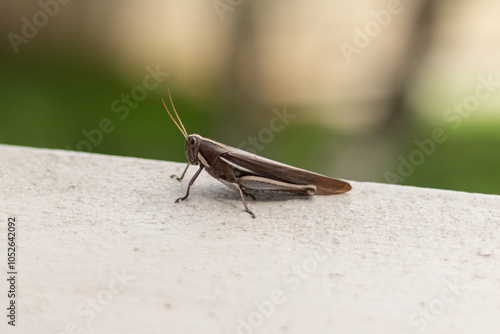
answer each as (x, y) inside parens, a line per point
(190, 184)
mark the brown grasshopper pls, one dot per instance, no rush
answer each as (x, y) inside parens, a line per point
(244, 171)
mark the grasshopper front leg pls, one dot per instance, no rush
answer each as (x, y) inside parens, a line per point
(173, 176)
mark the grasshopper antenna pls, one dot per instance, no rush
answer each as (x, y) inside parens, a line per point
(172, 103)
(182, 130)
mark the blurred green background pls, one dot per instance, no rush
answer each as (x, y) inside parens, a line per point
(363, 81)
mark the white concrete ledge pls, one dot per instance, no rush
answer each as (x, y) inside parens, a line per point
(102, 248)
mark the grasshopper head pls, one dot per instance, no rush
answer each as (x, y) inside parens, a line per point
(192, 147)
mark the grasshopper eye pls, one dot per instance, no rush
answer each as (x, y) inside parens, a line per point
(192, 141)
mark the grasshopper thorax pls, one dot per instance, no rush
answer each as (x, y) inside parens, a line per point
(192, 148)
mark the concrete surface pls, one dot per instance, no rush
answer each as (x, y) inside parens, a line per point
(102, 248)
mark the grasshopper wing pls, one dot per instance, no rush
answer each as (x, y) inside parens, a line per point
(281, 172)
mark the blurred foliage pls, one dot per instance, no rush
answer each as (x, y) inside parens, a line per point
(49, 106)
(467, 161)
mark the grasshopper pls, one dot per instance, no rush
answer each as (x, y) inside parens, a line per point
(244, 171)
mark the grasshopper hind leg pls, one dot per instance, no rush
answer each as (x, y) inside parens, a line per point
(248, 194)
(242, 195)
(242, 192)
